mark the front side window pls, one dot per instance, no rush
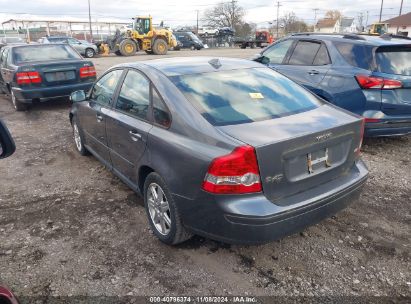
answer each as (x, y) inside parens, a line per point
(304, 53)
(244, 95)
(104, 89)
(134, 96)
(277, 52)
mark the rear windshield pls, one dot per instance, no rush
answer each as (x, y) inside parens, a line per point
(43, 53)
(357, 55)
(243, 96)
(394, 60)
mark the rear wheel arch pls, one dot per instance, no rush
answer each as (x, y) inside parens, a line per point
(143, 172)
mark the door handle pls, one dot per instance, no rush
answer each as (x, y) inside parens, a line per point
(99, 118)
(134, 135)
(313, 72)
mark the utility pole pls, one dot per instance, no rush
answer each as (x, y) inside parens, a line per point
(315, 16)
(382, 3)
(232, 12)
(197, 23)
(89, 21)
(278, 14)
(398, 26)
(366, 21)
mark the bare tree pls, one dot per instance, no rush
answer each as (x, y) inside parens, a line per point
(246, 29)
(333, 14)
(224, 14)
(292, 24)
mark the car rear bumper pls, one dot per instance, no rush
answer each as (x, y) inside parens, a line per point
(27, 95)
(397, 127)
(253, 219)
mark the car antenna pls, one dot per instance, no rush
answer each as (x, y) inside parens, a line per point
(215, 63)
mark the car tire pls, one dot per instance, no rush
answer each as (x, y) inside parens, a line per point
(17, 104)
(168, 226)
(118, 53)
(89, 53)
(78, 139)
(192, 48)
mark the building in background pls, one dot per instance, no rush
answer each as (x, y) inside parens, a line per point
(32, 28)
(401, 23)
(345, 25)
(325, 25)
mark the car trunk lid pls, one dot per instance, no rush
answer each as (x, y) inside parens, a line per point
(299, 152)
(56, 73)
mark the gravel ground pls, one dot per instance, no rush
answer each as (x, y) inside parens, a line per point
(69, 227)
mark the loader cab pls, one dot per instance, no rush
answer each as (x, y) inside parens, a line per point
(142, 25)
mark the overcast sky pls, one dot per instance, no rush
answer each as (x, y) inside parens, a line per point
(183, 12)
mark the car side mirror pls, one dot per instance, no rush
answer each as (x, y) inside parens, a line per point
(78, 96)
(261, 59)
(7, 146)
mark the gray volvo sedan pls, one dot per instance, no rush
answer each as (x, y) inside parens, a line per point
(224, 148)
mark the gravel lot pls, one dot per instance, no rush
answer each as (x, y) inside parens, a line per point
(70, 227)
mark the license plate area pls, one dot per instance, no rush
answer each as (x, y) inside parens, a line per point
(60, 76)
(317, 160)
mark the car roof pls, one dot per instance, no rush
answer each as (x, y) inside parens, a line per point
(356, 38)
(195, 65)
(34, 45)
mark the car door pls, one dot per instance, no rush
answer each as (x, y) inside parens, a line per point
(76, 45)
(128, 124)
(94, 114)
(2, 82)
(308, 62)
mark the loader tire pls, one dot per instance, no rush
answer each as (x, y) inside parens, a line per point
(127, 47)
(160, 47)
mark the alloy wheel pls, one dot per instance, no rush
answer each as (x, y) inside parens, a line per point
(77, 138)
(159, 209)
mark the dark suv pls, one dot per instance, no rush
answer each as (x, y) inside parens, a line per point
(367, 75)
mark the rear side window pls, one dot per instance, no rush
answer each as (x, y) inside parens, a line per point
(357, 55)
(46, 52)
(394, 60)
(161, 115)
(244, 95)
(304, 53)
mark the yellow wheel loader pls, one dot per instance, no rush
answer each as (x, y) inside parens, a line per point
(142, 36)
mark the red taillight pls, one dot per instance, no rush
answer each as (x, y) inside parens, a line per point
(391, 84)
(367, 120)
(357, 150)
(233, 173)
(28, 77)
(87, 71)
(371, 82)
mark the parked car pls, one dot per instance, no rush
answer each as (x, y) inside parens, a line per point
(7, 148)
(224, 148)
(85, 48)
(367, 75)
(178, 43)
(42, 72)
(206, 31)
(189, 40)
(226, 31)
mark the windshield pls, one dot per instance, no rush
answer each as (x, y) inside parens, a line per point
(43, 53)
(394, 60)
(243, 96)
(194, 37)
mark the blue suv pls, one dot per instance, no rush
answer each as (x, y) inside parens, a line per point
(367, 75)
